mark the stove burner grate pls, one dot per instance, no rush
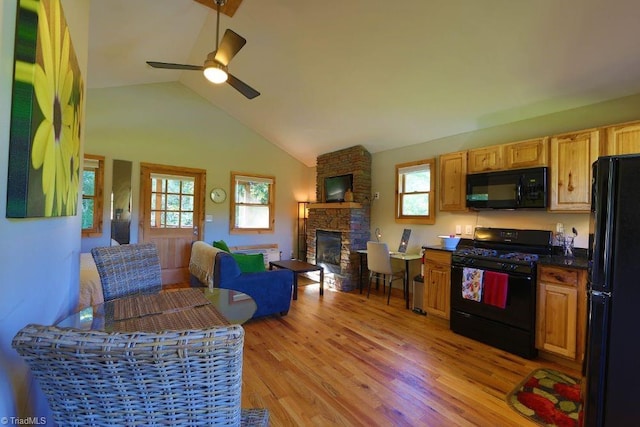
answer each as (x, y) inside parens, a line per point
(478, 252)
(519, 256)
(492, 253)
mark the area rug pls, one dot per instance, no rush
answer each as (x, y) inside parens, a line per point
(549, 398)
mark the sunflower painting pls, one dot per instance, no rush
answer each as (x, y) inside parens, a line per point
(46, 115)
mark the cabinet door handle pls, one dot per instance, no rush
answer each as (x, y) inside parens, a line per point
(570, 187)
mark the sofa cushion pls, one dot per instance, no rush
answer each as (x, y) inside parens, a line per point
(221, 244)
(249, 263)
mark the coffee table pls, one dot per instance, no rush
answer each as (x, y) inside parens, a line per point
(298, 267)
(174, 309)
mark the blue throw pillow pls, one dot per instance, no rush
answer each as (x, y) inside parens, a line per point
(249, 263)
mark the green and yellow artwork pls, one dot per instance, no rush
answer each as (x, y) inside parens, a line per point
(46, 115)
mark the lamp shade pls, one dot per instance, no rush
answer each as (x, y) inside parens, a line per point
(215, 73)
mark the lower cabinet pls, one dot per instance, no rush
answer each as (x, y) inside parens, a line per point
(561, 311)
(437, 283)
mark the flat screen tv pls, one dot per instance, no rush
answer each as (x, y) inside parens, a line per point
(336, 186)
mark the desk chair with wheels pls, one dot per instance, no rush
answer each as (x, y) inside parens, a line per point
(380, 266)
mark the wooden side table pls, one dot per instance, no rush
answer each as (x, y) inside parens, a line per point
(299, 267)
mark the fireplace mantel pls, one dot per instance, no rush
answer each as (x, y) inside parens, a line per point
(336, 205)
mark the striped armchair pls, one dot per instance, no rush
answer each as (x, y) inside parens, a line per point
(184, 378)
(128, 269)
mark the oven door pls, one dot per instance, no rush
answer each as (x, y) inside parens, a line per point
(519, 311)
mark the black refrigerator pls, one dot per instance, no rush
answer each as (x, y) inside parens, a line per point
(611, 370)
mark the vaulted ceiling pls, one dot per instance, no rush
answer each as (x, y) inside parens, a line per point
(383, 74)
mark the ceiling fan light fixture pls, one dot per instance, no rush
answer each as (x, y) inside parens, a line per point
(215, 72)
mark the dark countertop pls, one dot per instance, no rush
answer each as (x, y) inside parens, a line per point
(439, 248)
(579, 261)
(463, 243)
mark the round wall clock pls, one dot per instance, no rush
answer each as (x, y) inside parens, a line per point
(218, 195)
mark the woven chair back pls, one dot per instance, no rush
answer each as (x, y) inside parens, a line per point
(128, 379)
(128, 269)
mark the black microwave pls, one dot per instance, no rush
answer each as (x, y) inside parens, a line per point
(513, 189)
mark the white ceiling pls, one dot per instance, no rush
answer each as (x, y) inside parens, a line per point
(383, 74)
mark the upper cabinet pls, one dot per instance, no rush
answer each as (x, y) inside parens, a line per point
(486, 159)
(526, 154)
(572, 155)
(622, 139)
(569, 157)
(515, 155)
(453, 174)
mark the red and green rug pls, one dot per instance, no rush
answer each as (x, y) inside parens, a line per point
(549, 398)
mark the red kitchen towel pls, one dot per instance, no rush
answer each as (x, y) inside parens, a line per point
(495, 288)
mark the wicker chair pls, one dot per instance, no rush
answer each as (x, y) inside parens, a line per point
(128, 269)
(172, 377)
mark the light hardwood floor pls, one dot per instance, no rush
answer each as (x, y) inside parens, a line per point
(345, 360)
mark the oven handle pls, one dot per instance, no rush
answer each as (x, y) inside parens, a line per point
(510, 273)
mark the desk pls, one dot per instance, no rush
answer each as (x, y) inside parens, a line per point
(299, 267)
(394, 255)
(193, 308)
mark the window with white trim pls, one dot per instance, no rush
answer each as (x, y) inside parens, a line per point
(415, 197)
(252, 203)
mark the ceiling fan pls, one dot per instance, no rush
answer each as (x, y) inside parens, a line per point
(215, 66)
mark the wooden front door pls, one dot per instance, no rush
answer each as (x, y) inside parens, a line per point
(172, 215)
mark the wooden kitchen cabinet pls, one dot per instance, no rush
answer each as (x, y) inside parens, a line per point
(485, 159)
(437, 283)
(526, 154)
(571, 157)
(622, 139)
(453, 181)
(561, 311)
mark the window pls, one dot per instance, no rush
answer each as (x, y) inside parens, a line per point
(92, 190)
(252, 203)
(415, 194)
(172, 201)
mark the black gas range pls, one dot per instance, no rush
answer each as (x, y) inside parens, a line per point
(509, 256)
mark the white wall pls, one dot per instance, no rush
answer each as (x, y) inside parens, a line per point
(39, 258)
(383, 174)
(169, 124)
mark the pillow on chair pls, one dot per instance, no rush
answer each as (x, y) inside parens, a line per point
(221, 244)
(249, 263)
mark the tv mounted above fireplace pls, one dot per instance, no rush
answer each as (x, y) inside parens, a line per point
(336, 186)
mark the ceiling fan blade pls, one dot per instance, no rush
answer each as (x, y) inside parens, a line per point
(230, 45)
(242, 87)
(171, 66)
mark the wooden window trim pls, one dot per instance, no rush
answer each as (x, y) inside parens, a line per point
(233, 203)
(98, 198)
(416, 219)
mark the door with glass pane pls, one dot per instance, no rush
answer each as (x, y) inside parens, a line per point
(172, 215)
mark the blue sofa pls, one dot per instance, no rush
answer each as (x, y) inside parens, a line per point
(271, 290)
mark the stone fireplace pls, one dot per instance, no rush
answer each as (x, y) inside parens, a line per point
(335, 231)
